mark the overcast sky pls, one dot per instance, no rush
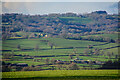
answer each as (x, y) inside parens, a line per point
(57, 7)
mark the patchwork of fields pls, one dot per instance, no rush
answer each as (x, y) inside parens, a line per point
(61, 51)
(64, 50)
(60, 48)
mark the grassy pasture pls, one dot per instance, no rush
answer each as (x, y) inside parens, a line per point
(76, 20)
(60, 43)
(106, 46)
(115, 50)
(107, 74)
(112, 36)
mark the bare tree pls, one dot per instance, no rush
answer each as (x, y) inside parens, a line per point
(47, 61)
(53, 61)
(36, 47)
(19, 46)
(51, 44)
(73, 66)
(90, 64)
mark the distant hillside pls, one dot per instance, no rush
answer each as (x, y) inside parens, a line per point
(58, 24)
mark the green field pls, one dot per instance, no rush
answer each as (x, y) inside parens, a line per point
(60, 43)
(62, 48)
(76, 74)
(112, 36)
(30, 43)
(76, 20)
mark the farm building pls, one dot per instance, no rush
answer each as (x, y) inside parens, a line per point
(22, 64)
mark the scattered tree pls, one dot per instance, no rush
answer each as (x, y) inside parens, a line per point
(19, 46)
(73, 66)
(47, 61)
(51, 44)
(36, 47)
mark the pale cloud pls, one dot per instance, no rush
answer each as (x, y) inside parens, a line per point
(4, 8)
(14, 7)
(56, 7)
(62, 7)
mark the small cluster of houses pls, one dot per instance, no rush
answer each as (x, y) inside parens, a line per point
(43, 35)
(81, 61)
(77, 60)
(34, 35)
(17, 64)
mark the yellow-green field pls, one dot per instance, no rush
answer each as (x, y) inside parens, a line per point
(77, 74)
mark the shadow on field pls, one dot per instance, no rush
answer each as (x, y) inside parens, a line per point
(68, 78)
